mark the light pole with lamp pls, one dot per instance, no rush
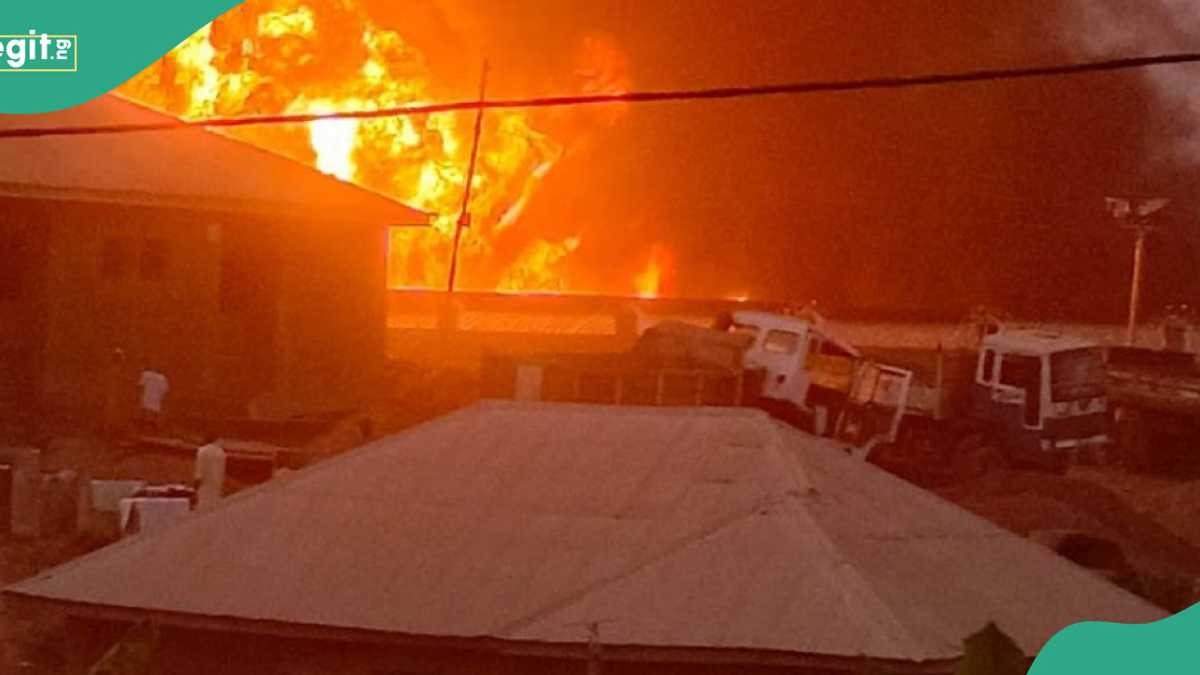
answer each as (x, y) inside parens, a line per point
(1134, 214)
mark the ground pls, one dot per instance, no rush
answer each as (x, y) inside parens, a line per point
(1154, 521)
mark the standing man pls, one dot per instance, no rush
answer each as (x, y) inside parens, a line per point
(154, 386)
(210, 473)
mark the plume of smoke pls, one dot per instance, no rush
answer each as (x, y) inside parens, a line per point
(1105, 28)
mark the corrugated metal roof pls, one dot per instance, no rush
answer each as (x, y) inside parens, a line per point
(190, 167)
(704, 528)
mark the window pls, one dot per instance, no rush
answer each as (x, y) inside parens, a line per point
(154, 259)
(987, 374)
(1021, 371)
(235, 283)
(1077, 374)
(744, 329)
(781, 342)
(114, 259)
(815, 345)
(248, 279)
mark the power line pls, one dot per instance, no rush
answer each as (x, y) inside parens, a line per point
(720, 93)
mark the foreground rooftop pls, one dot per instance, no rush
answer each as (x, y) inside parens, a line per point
(683, 532)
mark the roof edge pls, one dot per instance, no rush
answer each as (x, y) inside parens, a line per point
(562, 650)
(215, 205)
(252, 147)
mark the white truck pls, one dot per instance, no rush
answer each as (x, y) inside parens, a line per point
(1029, 393)
(808, 370)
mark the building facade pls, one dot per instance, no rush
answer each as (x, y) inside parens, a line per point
(257, 285)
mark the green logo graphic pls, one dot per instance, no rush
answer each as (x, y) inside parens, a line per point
(1166, 647)
(42, 69)
(35, 53)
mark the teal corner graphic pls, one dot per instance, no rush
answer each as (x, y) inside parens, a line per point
(1166, 647)
(56, 54)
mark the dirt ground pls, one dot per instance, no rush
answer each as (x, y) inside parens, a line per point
(33, 643)
(1155, 521)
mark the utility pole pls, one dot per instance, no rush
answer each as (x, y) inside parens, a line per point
(1135, 284)
(464, 216)
(1134, 214)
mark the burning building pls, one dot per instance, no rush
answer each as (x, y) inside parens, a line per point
(318, 57)
(245, 276)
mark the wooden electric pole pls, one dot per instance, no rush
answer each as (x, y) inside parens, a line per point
(464, 216)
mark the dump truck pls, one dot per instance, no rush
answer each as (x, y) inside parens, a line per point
(1155, 399)
(1032, 394)
(807, 369)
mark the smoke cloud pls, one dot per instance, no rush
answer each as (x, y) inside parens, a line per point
(1106, 28)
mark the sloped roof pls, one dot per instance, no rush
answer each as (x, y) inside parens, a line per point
(671, 528)
(188, 167)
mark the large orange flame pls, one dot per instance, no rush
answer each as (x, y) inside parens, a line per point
(649, 282)
(270, 56)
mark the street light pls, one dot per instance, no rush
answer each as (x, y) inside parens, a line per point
(1134, 214)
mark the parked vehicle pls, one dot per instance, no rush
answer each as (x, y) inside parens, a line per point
(1032, 395)
(807, 370)
(1029, 393)
(1155, 397)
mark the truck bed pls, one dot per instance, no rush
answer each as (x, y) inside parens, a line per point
(620, 379)
(941, 378)
(1167, 392)
(1154, 380)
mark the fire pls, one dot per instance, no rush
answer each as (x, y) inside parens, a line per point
(649, 282)
(299, 21)
(535, 267)
(333, 141)
(268, 56)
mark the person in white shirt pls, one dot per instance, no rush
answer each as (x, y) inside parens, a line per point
(154, 386)
(210, 473)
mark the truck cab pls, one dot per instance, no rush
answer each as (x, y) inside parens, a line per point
(1040, 392)
(804, 365)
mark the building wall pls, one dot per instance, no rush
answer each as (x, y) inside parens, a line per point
(22, 320)
(333, 316)
(105, 292)
(190, 652)
(232, 307)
